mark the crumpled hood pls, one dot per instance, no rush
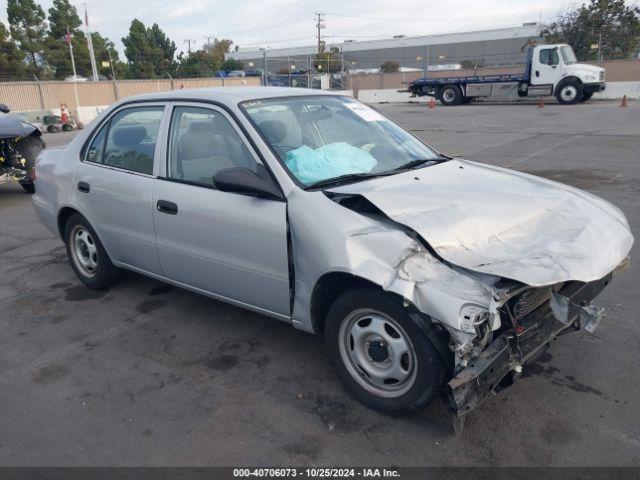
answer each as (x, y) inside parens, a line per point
(504, 223)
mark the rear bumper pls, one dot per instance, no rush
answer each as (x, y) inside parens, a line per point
(514, 348)
(593, 87)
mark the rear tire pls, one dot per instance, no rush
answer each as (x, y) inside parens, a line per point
(569, 92)
(380, 354)
(87, 255)
(450, 95)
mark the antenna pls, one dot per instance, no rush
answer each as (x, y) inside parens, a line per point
(320, 25)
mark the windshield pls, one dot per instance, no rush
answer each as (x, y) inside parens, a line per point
(319, 138)
(567, 55)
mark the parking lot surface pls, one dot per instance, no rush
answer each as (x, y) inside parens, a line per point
(148, 374)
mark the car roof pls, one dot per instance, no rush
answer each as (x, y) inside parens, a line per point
(228, 95)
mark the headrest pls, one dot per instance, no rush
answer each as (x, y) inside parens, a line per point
(129, 135)
(274, 130)
(203, 126)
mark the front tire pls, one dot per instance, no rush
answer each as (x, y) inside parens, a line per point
(30, 147)
(380, 354)
(569, 92)
(88, 257)
(450, 95)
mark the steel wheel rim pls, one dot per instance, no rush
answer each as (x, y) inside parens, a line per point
(448, 95)
(84, 251)
(569, 92)
(365, 336)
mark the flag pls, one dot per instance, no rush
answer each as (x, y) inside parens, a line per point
(67, 37)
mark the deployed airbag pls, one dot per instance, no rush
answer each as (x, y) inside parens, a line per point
(328, 161)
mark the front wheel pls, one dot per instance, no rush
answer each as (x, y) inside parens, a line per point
(29, 147)
(380, 354)
(88, 257)
(569, 92)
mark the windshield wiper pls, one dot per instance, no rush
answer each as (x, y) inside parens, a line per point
(416, 163)
(328, 182)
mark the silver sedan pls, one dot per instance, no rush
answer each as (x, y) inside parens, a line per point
(423, 272)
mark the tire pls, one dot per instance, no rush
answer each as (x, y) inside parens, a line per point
(66, 127)
(53, 129)
(87, 255)
(586, 96)
(363, 327)
(569, 92)
(450, 95)
(30, 147)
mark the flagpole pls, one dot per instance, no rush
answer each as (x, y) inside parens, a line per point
(75, 75)
(92, 55)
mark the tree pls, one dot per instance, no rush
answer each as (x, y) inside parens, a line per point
(11, 59)
(197, 64)
(609, 23)
(150, 53)
(389, 66)
(328, 62)
(232, 64)
(28, 28)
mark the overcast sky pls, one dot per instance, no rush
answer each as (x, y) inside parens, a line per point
(280, 23)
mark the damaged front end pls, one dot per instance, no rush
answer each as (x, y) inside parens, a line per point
(532, 318)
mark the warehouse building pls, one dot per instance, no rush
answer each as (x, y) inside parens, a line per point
(490, 48)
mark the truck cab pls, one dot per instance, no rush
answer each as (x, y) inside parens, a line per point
(554, 70)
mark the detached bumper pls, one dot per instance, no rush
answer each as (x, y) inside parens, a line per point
(593, 87)
(514, 348)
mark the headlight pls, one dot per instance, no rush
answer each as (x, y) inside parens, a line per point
(471, 316)
(590, 78)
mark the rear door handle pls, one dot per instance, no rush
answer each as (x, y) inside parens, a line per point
(169, 208)
(84, 187)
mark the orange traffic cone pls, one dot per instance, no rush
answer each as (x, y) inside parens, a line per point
(432, 103)
(541, 103)
(623, 104)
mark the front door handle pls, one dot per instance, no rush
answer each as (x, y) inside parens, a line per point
(169, 208)
(84, 187)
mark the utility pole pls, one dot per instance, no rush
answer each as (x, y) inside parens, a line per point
(320, 25)
(189, 41)
(113, 71)
(208, 39)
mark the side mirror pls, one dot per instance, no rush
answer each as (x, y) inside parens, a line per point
(4, 108)
(244, 180)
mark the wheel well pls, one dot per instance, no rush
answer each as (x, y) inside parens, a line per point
(564, 81)
(63, 216)
(329, 287)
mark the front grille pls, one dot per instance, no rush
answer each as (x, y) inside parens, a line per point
(602, 76)
(529, 300)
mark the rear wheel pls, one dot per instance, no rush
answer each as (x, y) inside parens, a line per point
(88, 257)
(380, 354)
(569, 92)
(450, 95)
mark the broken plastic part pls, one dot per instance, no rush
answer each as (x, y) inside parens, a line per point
(591, 316)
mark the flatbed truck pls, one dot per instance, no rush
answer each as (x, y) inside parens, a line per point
(550, 70)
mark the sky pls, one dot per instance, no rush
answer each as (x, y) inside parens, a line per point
(283, 23)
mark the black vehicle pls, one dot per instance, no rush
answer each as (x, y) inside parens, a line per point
(20, 144)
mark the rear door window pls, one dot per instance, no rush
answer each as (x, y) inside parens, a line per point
(131, 141)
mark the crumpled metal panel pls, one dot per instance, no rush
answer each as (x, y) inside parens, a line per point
(504, 223)
(327, 237)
